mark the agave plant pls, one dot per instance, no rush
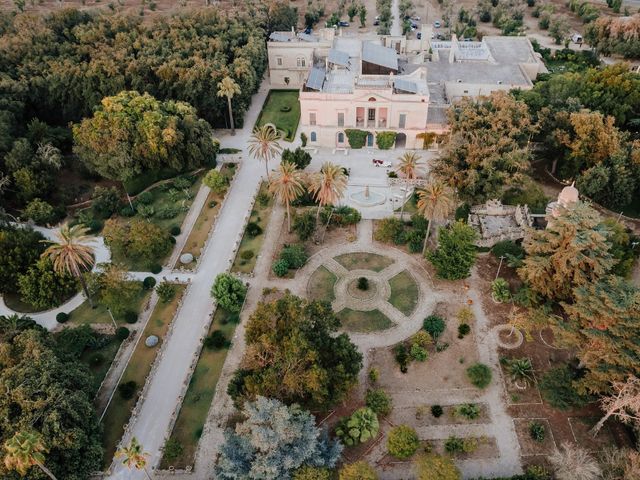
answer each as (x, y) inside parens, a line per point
(500, 290)
(360, 427)
(521, 370)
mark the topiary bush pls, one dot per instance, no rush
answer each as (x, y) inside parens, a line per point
(62, 317)
(418, 352)
(216, 340)
(537, 431)
(401, 355)
(253, 229)
(434, 325)
(295, 255)
(402, 441)
(463, 329)
(246, 254)
(378, 401)
(122, 333)
(280, 268)
(155, 268)
(357, 138)
(363, 283)
(148, 283)
(479, 375)
(470, 411)
(385, 140)
(436, 411)
(175, 230)
(130, 316)
(359, 428)
(307, 472)
(127, 390)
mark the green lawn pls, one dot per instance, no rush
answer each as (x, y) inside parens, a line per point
(404, 292)
(197, 400)
(321, 283)
(200, 231)
(84, 314)
(100, 369)
(272, 112)
(137, 370)
(363, 322)
(363, 261)
(260, 215)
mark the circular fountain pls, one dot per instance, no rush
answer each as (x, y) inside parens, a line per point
(365, 198)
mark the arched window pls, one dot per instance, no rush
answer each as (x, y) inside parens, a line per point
(301, 62)
(313, 136)
(340, 137)
(372, 99)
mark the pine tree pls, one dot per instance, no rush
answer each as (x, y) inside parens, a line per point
(456, 252)
(571, 252)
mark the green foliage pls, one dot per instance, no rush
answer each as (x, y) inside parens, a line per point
(507, 247)
(280, 268)
(122, 333)
(20, 248)
(454, 445)
(456, 252)
(105, 201)
(295, 255)
(557, 388)
(42, 287)
(390, 230)
(131, 133)
(500, 290)
(418, 352)
(357, 138)
(462, 212)
(326, 365)
(165, 291)
(307, 472)
(148, 283)
(437, 467)
(62, 317)
(436, 411)
(127, 390)
(115, 289)
(479, 375)
(172, 450)
(363, 283)
(401, 355)
(378, 401)
(402, 441)
(520, 369)
(374, 374)
(304, 225)
(385, 140)
(299, 157)
(529, 194)
(357, 471)
(216, 341)
(463, 330)
(340, 216)
(39, 211)
(68, 424)
(130, 316)
(434, 325)
(253, 229)
(537, 431)
(470, 411)
(137, 239)
(229, 292)
(293, 442)
(360, 427)
(216, 181)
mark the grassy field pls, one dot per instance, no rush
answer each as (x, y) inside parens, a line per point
(363, 322)
(321, 285)
(276, 101)
(364, 261)
(197, 400)
(200, 231)
(259, 215)
(100, 369)
(84, 314)
(404, 292)
(137, 370)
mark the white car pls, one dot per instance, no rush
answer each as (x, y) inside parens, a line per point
(437, 24)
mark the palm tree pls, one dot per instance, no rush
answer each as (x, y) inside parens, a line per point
(264, 145)
(410, 167)
(24, 450)
(435, 202)
(328, 185)
(287, 185)
(72, 253)
(229, 88)
(134, 456)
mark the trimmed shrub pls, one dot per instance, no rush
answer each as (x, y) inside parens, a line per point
(438, 467)
(357, 138)
(470, 411)
(62, 317)
(122, 333)
(307, 472)
(216, 181)
(390, 230)
(172, 450)
(127, 212)
(280, 268)
(363, 283)
(463, 329)
(294, 255)
(246, 254)
(537, 431)
(148, 283)
(130, 316)
(500, 290)
(168, 211)
(507, 247)
(360, 427)
(479, 375)
(385, 140)
(299, 157)
(402, 441)
(174, 230)
(357, 471)
(172, 240)
(127, 390)
(304, 225)
(144, 198)
(155, 268)
(378, 401)
(434, 325)
(402, 357)
(165, 291)
(374, 374)
(216, 340)
(418, 352)
(436, 411)
(253, 229)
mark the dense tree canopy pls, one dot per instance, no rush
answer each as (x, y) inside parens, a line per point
(615, 35)
(272, 442)
(20, 248)
(50, 392)
(293, 355)
(132, 133)
(487, 150)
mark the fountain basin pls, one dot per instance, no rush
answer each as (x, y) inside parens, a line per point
(368, 199)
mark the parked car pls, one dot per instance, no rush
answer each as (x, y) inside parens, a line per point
(419, 36)
(437, 24)
(343, 24)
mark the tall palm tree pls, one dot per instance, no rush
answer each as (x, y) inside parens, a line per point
(229, 88)
(24, 450)
(264, 145)
(287, 185)
(328, 185)
(72, 253)
(410, 168)
(435, 202)
(133, 456)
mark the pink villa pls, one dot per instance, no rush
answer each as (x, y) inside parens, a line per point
(391, 84)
